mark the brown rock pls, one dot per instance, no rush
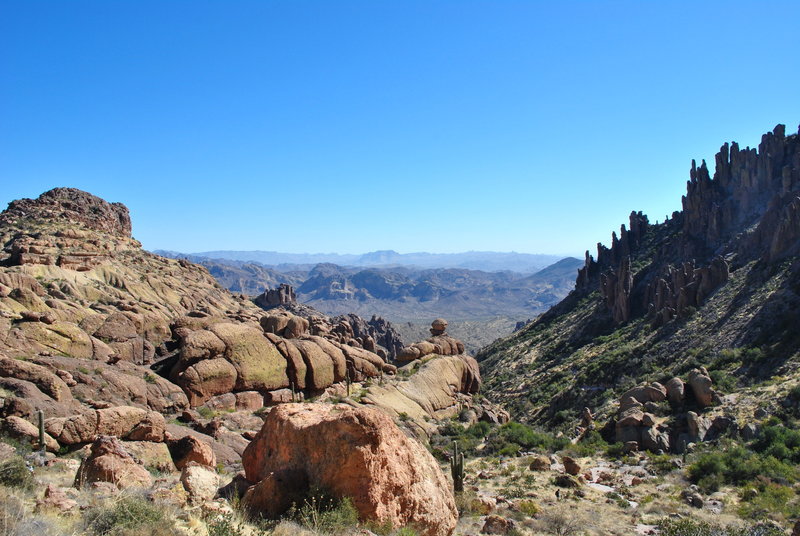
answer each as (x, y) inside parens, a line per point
(21, 429)
(539, 463)
(46, 381)
(390, 478)
(110, 462)
(495, 524)
(571, 466)
(249, 400)
(55, 498)
(206, 379)
(190, 449)
(675, 391)
(700, 382)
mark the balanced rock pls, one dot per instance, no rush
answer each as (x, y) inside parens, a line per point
(364, 456)
(700, 382)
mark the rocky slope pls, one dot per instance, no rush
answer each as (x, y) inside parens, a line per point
(717, 284)
(90, 321)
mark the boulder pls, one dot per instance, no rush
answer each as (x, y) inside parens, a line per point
(259, 364)
(206, 379)
(390, 478)
(571, 467)
(700, 382)
(675, 391)
(539, 463)
(108, 461)
(126, 422)
(23, 430)
(200, 482)
(46, 381)
(495, 524)
(189, 449)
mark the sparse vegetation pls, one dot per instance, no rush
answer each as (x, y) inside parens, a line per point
(129, 515)
(15, 473)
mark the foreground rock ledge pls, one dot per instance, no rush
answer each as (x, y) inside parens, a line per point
(350, 452)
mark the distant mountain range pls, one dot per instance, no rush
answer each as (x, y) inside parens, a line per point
(488, 261)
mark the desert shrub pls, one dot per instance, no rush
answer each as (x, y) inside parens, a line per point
(723, 381)
(661, 463)
(528, 507)
(320, 512)
(129, 516)
(737, 465)
(691, 527)
(512, 437)
(767, 499)
(591, 444)
(780, 442)
(15, 473)
(206, 412)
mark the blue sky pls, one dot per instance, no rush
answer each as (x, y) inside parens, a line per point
(347, 127)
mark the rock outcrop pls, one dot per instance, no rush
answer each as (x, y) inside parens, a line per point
(389, 477)
(108, 461)
(636, 424)
(440, 343)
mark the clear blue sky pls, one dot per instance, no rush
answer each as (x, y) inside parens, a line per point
(346, 127)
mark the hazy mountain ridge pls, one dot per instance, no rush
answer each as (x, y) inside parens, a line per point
(488, 261)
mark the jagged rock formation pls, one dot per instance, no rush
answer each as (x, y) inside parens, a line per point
(283, 295)
(376, 335)
(722, 274)
(750, 188)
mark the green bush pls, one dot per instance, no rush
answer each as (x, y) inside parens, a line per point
(129, 516)
(737, 465)
(766, 499)
(15, 473)
(513, 437)
(780, 442)
(690, 527)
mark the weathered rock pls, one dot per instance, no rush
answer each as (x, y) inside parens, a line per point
(700, 382)
(495, 524)
(46, 381)
(539, 463)
(55, 498)
(571, 466)
(189, 449)
(21, 429)
(108, 461)
(364, 456)
(675, 391)
(200, 482)
(125, 422)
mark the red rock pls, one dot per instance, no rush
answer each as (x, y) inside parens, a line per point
(389, 477)
(110, 462)
(190, 449)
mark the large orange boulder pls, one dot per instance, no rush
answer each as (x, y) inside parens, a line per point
(110, 462)
(364, 456)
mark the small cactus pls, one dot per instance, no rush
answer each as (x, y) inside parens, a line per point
(457, 468)
(294, 393)
(348, 380)
(41, 430)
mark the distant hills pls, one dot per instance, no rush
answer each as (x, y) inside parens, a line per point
(410, 296)
(488, 261)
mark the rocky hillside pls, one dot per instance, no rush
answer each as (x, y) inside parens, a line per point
(716, 285)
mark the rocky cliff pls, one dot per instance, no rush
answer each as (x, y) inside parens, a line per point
(719, 277)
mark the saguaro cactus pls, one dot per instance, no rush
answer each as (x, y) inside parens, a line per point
(41, 430)
(457, 468)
